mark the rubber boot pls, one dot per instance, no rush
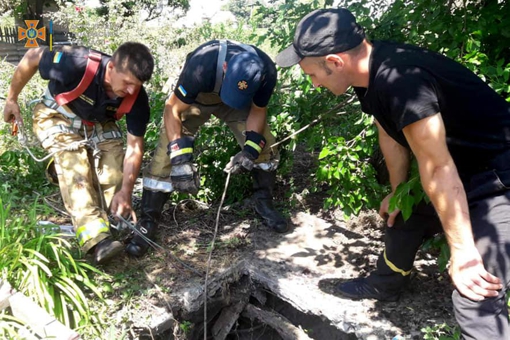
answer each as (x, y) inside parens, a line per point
(263, 184)
(152, 206)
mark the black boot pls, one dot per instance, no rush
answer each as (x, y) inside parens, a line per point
(152, 206)
(263, 184)
(106, 250)
(360, 288)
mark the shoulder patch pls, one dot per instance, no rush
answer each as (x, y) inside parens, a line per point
(57, 57)
(182, 90)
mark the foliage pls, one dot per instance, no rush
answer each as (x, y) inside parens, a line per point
(346, 161)
(346, 141)
(241, 9)
(20, 175)
(185, 326)
(469, 31)
(441, 332)
(215, 145)
(24, 9)
(408, 194)
(41, 264)
(439, 244)
(153, 8)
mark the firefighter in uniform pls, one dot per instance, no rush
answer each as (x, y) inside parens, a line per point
(458, 128)
(76, 120)
(233, 82)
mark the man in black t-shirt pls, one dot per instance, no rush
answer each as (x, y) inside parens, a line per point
(458, 129)
(233, 82)
(76, 121)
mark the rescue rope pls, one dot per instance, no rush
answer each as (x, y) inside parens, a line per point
(316, 120)
(210, 253)
(23, 141)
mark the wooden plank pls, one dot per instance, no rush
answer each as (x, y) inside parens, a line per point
(226, 320)
(45, 325)
(6, 292)
(276, 321)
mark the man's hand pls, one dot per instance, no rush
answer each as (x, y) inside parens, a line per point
(242, 162)
(121, 205)
(384, 211)
(470, 277)
(185, 178)
(12, 112)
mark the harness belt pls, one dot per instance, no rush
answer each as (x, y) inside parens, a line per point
(76, 123)
(222, 55)
(93, 62)
(51, 103)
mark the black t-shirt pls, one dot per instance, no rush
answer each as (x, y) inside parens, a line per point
(199, 73)
(408, 83)
(64, 67)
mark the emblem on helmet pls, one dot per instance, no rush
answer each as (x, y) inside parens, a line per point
(242, 85)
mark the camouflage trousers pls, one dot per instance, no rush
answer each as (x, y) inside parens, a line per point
(89, 172)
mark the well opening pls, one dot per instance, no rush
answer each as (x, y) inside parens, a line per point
(245, 309)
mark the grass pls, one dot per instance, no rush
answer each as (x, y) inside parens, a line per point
(45, 267)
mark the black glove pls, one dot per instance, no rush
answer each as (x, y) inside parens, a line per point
(245, 160)
(185, 178)
(181, 150)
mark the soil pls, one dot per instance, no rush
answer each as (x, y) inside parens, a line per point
(321, 250)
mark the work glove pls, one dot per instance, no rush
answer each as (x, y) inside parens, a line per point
(244, 161)
(185, 178)
(181, 150)
(184, 175)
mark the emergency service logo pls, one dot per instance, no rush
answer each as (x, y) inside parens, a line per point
(31, 33)
(242, 85)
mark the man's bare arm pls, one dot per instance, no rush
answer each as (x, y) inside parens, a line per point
(397, 160)
(396, 157)
(174, 107)
(256, 119)
(121, 203)
(24, 72)
(442, 184)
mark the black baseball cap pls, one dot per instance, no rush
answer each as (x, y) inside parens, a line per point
(320, 33)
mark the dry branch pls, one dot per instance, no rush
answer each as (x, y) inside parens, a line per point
(226, 320)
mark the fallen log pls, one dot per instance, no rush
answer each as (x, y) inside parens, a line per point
(276, 321)
(226, 320)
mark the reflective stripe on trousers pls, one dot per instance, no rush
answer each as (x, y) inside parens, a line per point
(92, 231)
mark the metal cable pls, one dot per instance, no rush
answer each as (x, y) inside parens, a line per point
(210, 253)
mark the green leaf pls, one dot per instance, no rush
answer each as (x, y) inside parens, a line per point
(324, 153)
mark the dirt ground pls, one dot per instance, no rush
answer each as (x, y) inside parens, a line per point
(344, 250)
(321, 249)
